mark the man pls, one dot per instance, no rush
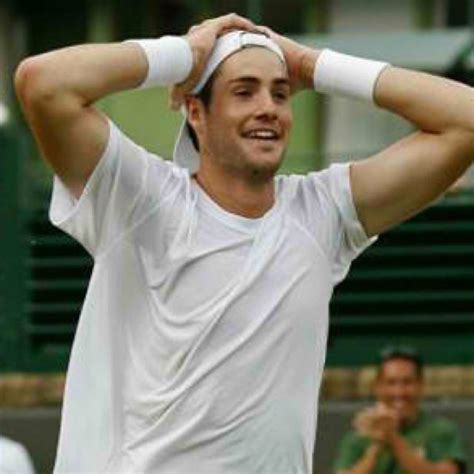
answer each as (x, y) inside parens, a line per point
(202, 338)
(396, 436)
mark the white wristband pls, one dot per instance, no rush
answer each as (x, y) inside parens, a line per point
(170, 60)
(350, 76)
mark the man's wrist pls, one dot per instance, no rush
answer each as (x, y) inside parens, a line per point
(392, 439)
(307, 65)
(345, 75)
(170, 60)
(375, 447)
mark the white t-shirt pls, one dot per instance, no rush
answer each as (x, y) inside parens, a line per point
(202, 339)
(14, 458)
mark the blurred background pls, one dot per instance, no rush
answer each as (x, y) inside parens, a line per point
(414, 286)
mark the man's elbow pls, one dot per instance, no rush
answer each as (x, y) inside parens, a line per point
(25, 75)
(461, 113)
(461, 142)
(33, 81)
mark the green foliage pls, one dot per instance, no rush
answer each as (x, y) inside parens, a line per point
(145, 117)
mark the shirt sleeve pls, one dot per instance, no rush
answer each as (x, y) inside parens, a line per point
(350, 450)
(127, 183)
(448, 445)
(331, 214)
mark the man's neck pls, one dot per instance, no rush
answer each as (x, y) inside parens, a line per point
(412, 420)
(236, 194)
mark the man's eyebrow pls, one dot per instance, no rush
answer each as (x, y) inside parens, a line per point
(282, 81)
(255, 80)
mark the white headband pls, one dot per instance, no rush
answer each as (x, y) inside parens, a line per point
(185, 154)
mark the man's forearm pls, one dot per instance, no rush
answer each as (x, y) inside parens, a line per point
(367, 463)
(433, 104)
(87, 72)
(411, 462)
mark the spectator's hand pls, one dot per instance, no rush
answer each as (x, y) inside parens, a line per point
(378, 423)
(299, 60)
(201, 38)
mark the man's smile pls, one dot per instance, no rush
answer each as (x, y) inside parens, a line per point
(266, 134)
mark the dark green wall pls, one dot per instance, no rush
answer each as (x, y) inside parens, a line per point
(12, 250)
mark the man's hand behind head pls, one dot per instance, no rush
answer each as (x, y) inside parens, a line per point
(202, 38)
(300, 59)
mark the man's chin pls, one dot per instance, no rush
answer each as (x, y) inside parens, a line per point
(265, 167)
(266, 159)
(259, 163)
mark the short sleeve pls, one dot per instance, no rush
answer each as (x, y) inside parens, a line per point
(350, 450)
(331, 214)
(448, 445)
(126, 184)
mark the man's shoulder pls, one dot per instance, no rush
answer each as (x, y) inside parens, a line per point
(127, 146)
(300, 186)
(326, 190)
(321, 179)
(438, 425)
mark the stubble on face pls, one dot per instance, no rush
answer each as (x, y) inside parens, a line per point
(240, 163)
(250, 97)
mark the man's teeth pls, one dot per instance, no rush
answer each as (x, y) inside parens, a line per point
(399, 404)
(265, 134)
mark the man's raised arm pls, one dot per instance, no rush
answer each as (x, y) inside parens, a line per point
(394, 184)
(57, 90)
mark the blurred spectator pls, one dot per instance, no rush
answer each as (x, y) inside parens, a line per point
(395, 435)
(14, 458)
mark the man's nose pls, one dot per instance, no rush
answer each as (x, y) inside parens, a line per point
(266, 104)
(399, 390)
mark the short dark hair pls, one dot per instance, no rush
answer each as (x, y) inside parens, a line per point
(205, 95)
(402, 352)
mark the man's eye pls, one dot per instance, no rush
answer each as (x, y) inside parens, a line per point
(282, 95)
(242, 92)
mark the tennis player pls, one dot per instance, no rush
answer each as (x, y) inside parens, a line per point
(201, 343)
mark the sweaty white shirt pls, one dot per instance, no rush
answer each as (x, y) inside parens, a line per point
(202, 338)
(14, 458)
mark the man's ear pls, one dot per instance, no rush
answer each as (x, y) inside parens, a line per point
(376, 386)
(195, 112)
